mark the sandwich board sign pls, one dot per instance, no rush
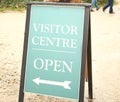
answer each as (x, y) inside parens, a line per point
(55, 47)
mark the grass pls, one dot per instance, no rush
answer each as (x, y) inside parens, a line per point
(4, 9)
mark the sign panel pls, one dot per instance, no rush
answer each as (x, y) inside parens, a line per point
(53, 65)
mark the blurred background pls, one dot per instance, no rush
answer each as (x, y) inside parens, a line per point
(22, 3)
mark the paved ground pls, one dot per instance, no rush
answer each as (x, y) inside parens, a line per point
(105, 57)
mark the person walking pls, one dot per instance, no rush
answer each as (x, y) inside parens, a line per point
(94, 3)
(109, 4)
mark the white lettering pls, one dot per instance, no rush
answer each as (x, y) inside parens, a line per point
(56, 42)
(38, 63)
(55, 29)
(53, 65)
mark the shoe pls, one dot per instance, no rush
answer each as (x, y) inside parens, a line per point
(97, 9)
(92, 10)
(112, 12)
(103, 10)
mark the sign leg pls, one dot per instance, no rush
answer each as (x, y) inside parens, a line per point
(89, 61)
(86, 70)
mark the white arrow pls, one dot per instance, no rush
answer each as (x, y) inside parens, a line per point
(64, 84)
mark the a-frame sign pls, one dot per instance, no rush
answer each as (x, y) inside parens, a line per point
(56, 44)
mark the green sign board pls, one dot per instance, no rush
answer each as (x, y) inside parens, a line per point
(54, 50)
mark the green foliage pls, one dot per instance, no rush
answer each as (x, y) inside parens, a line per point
(14, 3)
(102, 2)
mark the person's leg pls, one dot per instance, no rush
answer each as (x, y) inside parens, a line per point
(111, 6)
(96, 5)
(106, 6)
(92, 4)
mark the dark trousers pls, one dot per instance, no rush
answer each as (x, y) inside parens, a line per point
(110, 3)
